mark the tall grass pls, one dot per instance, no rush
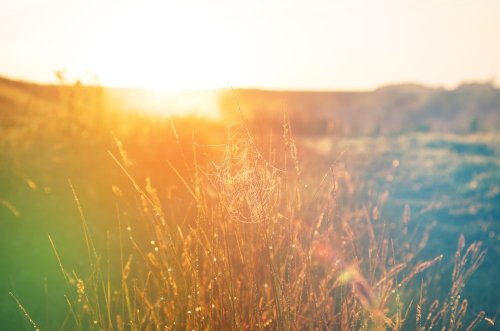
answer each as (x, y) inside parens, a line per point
(248, 248)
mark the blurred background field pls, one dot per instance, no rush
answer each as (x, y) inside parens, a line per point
(434, 150)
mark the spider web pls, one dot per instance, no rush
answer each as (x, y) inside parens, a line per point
(247, 184)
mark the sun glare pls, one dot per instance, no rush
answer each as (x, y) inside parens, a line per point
(162, 102)
(168, 48)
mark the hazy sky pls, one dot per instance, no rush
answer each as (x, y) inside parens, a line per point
(314, 44)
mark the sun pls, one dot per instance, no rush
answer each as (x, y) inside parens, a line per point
(166, 47)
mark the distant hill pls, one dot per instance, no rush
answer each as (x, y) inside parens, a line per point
(18, 95)
(393, 109)
(387, 110)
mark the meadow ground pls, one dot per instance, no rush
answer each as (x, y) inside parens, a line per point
(239, 229)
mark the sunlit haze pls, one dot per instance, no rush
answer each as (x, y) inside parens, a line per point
(266, 44)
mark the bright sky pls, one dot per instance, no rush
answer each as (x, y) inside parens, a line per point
(314, 44)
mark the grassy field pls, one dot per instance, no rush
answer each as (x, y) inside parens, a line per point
(116, 220)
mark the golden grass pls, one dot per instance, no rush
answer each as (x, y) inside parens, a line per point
(251, 251)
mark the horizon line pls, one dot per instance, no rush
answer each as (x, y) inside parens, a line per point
(491, 81)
